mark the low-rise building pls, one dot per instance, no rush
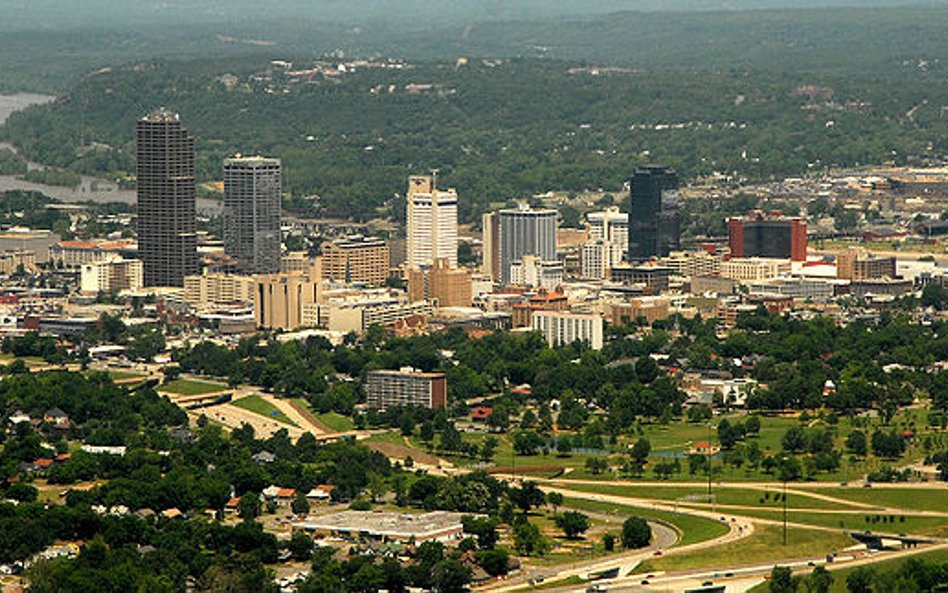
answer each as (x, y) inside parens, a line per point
(440, 284)
(215, 288)
(858, 264)
(111, 275)
(38, 241)
(72, 254)
(655, 279)
(12, 262)
(755, 269)
(359, 526)
(280, 299)
(355, 260)
(406, 387)
(531, 271)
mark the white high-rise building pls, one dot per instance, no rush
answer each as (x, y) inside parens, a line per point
(432, 231)
(532, 272)
(608, 241)
(609, 225)
(562, 327)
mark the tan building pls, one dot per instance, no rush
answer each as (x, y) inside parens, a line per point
(858, 264)
(432, 222)
(649, 309)
(693, 263)
(754, 269)
(359, 260)
(217, 288)
(279, 299)
(295, 262)
(75, 253)
(110, 275)
(11, 261)
(447, 286)
(490, 249)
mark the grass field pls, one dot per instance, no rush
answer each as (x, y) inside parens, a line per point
(257, 404)
(191, 387)
(335, 421)
(698, 493)
(878, 522)
(693, 529)
(764, 545)
(919, 499)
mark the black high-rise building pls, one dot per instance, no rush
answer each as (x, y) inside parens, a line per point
(654, 223)
(167, 244)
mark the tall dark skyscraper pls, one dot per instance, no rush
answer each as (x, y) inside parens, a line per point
(654, 222)
(167, 244)
(252, 213)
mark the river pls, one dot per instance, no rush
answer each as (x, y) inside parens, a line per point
(91, 189)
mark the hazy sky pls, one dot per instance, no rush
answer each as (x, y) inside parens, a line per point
(64, 14)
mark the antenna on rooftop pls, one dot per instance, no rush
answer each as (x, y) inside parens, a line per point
(434, 179)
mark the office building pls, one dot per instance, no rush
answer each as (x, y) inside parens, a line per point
(295, 262)
(532, 272)
(754, 269)
(111, 275)
(693, 263)
(598, 257)
(609, 225)
(71, 254)
(795, 288)
(655, 279)
(859, 264)
(767, 235)
(355, 260)
(279, 299)
(12, 262)
(252, 193)
(490, 245)
(654, 220)
(212, 288)
(167, 243)
(525, 232)
(432, 223)
(560, 328)
(405, 387)
(446, 286)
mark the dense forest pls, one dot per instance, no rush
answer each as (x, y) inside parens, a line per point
(497, 130)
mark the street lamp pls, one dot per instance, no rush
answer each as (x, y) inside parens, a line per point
(710, 496)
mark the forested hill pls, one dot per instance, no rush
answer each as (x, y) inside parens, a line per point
(496, 129)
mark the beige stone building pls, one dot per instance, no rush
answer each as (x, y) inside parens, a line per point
(359, 260)
(858, 264)
(447, 286)
(218, 288)
(279, 299)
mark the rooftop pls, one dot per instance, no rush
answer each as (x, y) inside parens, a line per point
(391, 524)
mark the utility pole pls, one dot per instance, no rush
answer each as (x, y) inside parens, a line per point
(784, 476)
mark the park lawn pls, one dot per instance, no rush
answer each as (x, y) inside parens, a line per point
(124, 375)
(917, 499)
(336, 421)
(879, 522)
(258, 405)
(764, 545)
(692, 529)
(698, 493)
(191, 387)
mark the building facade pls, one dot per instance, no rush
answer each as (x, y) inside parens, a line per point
(432, 223)
(532, 272)
(448, 287)
(406, 387)
(859, 264)
(355, 260)
(560, 328)
(111, 275)
(252, 202)
(760, 234)
(654, 221)
(279, 299)
(525, 232)
(216, 289)
(753, 269)
(167, 240)
(490, 245)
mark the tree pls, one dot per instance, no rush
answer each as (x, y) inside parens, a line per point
(527, 496)
(860, 580)
(782, 580)
(856, 443)
(819, 581)
(528, 540)
(596, 465)
(752, 425)
(608, 542)
(573, 524)
(300, 505)
(450, 576)
(794, 440)
(300, 546)
(555, 499)
(488, 447)
(495, 562)
(640, 451)
(484, 528)
(635, 533)
(249, 507)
